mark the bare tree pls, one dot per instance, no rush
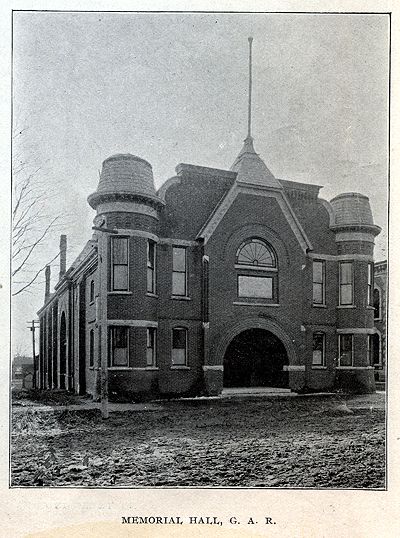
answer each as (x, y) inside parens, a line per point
(33, 220)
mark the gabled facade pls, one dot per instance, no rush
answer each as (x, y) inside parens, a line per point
(221, 278)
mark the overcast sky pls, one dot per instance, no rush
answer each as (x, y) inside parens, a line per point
(172, 88)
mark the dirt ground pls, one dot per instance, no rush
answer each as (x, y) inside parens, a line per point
(304, 441)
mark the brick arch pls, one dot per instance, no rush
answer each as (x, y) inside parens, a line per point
(270, 325)
(241, 233)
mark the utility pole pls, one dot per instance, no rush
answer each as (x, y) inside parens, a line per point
(32, 328)
(102, 359)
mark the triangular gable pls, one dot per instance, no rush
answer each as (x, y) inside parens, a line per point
(236, 189)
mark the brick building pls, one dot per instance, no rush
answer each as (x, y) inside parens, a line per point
(222, 278)
(379, 352)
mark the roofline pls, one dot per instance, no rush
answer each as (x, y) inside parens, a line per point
(181, 168)
(238, 188)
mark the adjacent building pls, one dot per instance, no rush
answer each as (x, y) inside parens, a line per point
(221, 278)
(379, 351)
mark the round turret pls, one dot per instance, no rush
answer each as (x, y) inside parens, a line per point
(353, 223)
(352, 208)
(125, 177)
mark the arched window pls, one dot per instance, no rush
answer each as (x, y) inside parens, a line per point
(91, 348)
(377, 304)
(257, 271)
(255, 253)
(91, 291)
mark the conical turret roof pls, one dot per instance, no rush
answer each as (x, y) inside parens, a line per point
(251, 169)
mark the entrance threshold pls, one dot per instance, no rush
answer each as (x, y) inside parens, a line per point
(254, 391)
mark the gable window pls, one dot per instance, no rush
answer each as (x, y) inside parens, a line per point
(346, 283)
(151, 346)
(179, 346)
(151, 266)
(257, 263)
(119, 264)
(255, 253)
(91, 348)
(118, 346)
(91, 294)
(377, 304)
(318, 358)
(179, 271)
(319, 282)
(370, 286)
(345, 350)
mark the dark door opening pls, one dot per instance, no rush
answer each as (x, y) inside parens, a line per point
(63, 351)
(255, 358)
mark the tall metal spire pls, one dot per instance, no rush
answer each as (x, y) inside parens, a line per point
(250, 87)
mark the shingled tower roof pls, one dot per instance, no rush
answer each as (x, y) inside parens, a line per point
(250, 168)
(125, 176)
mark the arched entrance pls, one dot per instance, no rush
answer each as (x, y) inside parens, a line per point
(256, 358)
(63, 352)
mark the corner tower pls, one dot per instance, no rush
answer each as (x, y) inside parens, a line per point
(126, 227)
(125, 196)
(355, 232)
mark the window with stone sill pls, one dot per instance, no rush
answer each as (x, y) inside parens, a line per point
(377, 304)
(151, 347)
(179, 346)
(257, 276)
(118, 346)
(318, 358)
(179, 272)
(345, 350)
(91, 293)
(151, 266)
(91, 348)
(319, 282)
(119, 248)
(346, 284)
(370, 285)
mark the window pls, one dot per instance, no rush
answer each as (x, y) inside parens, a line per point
(119, 263)
(179, 347)
(91, 348)
(151, 346)
(255, 253)
(346, 283)
(377, 304)
(179, 271)
(345, 350)
(373, 350)
(255, 286)
(91, 291)
(318, 358)
(319, 282)
(151, 266)
(255, 259)
(370, 286)
(119, 346)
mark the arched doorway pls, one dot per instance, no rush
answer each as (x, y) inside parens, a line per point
(63, 351)
(256, 358)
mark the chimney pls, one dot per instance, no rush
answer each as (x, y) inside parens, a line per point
(63, 255)
(47, 276)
